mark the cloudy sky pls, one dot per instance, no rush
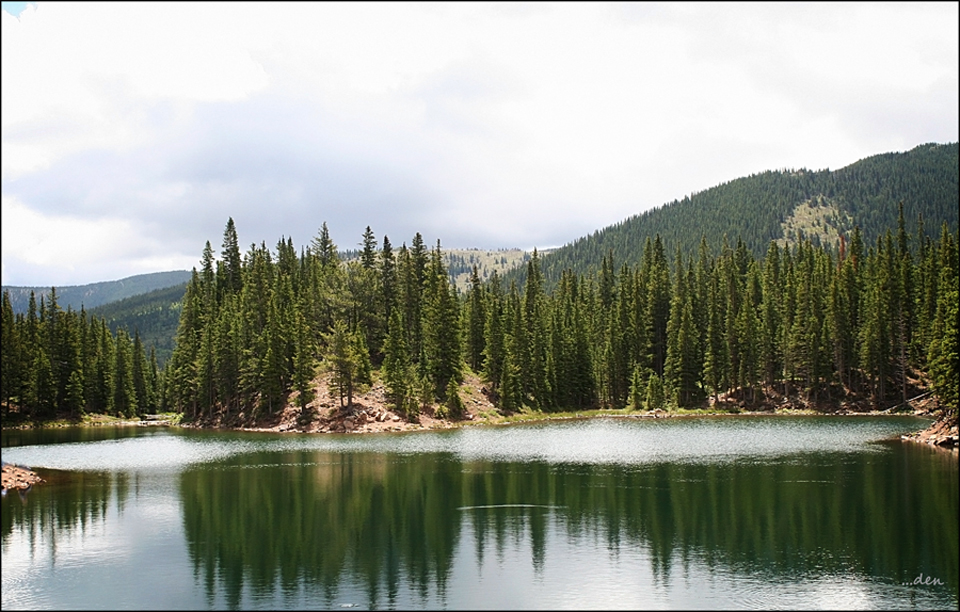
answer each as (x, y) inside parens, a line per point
(131, 132)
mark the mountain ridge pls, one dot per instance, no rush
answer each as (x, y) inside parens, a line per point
(757, 209)
(858, 194)
(97, 294)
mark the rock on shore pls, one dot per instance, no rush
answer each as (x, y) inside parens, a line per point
(943, 432)
(17, 477)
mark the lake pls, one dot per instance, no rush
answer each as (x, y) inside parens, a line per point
(706, 512)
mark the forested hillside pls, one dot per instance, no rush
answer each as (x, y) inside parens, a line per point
(96, 294)
(154, 316)
(760, 208)
(460, 262)
(65, 363)
(803, 321)
(264, 329)
(831, 287)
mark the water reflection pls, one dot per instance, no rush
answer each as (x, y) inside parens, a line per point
(315, 516)
(792, 513)
(66, 504)
(65, 435)
(390, 527)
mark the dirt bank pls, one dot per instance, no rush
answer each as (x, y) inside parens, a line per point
(370, 412)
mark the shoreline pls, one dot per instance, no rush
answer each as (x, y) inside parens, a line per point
(362, 417)
(940, 434)
(371, 412)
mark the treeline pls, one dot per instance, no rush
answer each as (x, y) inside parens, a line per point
(97, 294)
(754, 208)
(800, 319)
(154, 316)
(66, 363)
(258, 328)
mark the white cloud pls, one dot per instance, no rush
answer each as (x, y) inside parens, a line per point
(481, 124)
(68, 245)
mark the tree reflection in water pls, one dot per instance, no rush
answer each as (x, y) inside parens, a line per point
(386, 522)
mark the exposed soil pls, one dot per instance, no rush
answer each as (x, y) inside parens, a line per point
(369, 413)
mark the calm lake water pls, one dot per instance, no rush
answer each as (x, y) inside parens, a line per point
(740, 512)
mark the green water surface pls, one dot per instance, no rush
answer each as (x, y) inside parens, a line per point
(732, 513)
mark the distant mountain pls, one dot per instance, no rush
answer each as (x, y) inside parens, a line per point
(154, 315)
(460, 262)
(96, 294)
(786, 206)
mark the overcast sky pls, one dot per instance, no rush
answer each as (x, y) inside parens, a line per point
(131, 132)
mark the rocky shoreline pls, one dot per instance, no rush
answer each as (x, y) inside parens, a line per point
(19, 478)
(942, 433)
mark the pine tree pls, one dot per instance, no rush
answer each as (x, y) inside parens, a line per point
(476, 320)
(368, 256)
(872, 338)
(441, 328)
(534, 360)
(942, 359)
(105, 372)
(511, 388)
(714, 349)
(42, 396)
(124, 394)
(655, 394)
(11, 353)
(344, 361)
(398, 374)
(228, 354)
(493, 350)
(770, 353)
(140, 387)
(388, 278)
(324, 248)
(183, 362)
(232, 262)
(454, 404)
(658, 304)
(749, 332)
(304, 365)
(639, 382)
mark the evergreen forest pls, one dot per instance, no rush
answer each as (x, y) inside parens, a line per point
(865, 321)
(63, 364)
(256, 330)
(762, 208)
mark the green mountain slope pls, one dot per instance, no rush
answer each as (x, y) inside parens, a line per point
(96, 294)
(785, 206)
(155, 315)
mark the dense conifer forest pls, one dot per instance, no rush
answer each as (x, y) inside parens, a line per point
(154, 315)
(759, 209)
(65, 363)
(864, 320)
(868, 318)
(257, 329)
